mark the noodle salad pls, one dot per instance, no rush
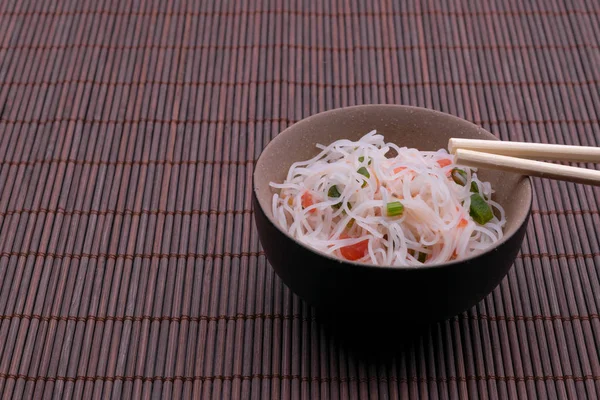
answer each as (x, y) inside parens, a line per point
(355, 202)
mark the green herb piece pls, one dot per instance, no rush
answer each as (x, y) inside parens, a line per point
(480, 210)
(363, 171)
(474, 187)
(459, 176)
(335, 193)
(394, 208)
(362, 159)
(422, 257)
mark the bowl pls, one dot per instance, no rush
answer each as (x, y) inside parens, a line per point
(425, 294)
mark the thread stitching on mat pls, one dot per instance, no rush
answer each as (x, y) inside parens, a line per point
(112, 318)
(147, 120)
(261, 316)
(127, 163)
(295, 46)
(533, 318)
(281, 120)
(566, 212)
(568, 256)
(413, 379)
(127, 212)
(155, 13)
(78, 256)
(292, 82)
(123, 213)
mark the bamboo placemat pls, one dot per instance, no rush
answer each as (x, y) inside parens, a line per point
(130, 264)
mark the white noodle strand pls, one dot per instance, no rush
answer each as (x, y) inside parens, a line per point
(435, 226)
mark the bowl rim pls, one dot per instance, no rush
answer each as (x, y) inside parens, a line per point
(342, 262)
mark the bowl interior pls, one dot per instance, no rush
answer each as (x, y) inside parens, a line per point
(419, 128)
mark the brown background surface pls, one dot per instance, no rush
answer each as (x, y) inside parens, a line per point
(130, 264)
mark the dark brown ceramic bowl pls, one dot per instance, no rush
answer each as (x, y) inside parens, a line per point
(425, 294)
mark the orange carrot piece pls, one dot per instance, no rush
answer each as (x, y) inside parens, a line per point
(307, 201)
(355, 251)
(444, 162)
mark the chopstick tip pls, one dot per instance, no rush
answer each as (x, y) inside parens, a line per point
(451, 148)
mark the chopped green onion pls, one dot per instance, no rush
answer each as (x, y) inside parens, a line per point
(334, 192)
(480, 210)
(363, 171)
(362, 159)
(350, 223)
(459, 176)
(394, 208)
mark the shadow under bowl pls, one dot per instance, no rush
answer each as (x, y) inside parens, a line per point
(420, 294)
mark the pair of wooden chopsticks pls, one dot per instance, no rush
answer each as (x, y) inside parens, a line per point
(521, 158)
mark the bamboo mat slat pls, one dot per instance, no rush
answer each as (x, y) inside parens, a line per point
(129, 261)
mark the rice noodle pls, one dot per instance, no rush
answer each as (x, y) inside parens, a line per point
(434, 227)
